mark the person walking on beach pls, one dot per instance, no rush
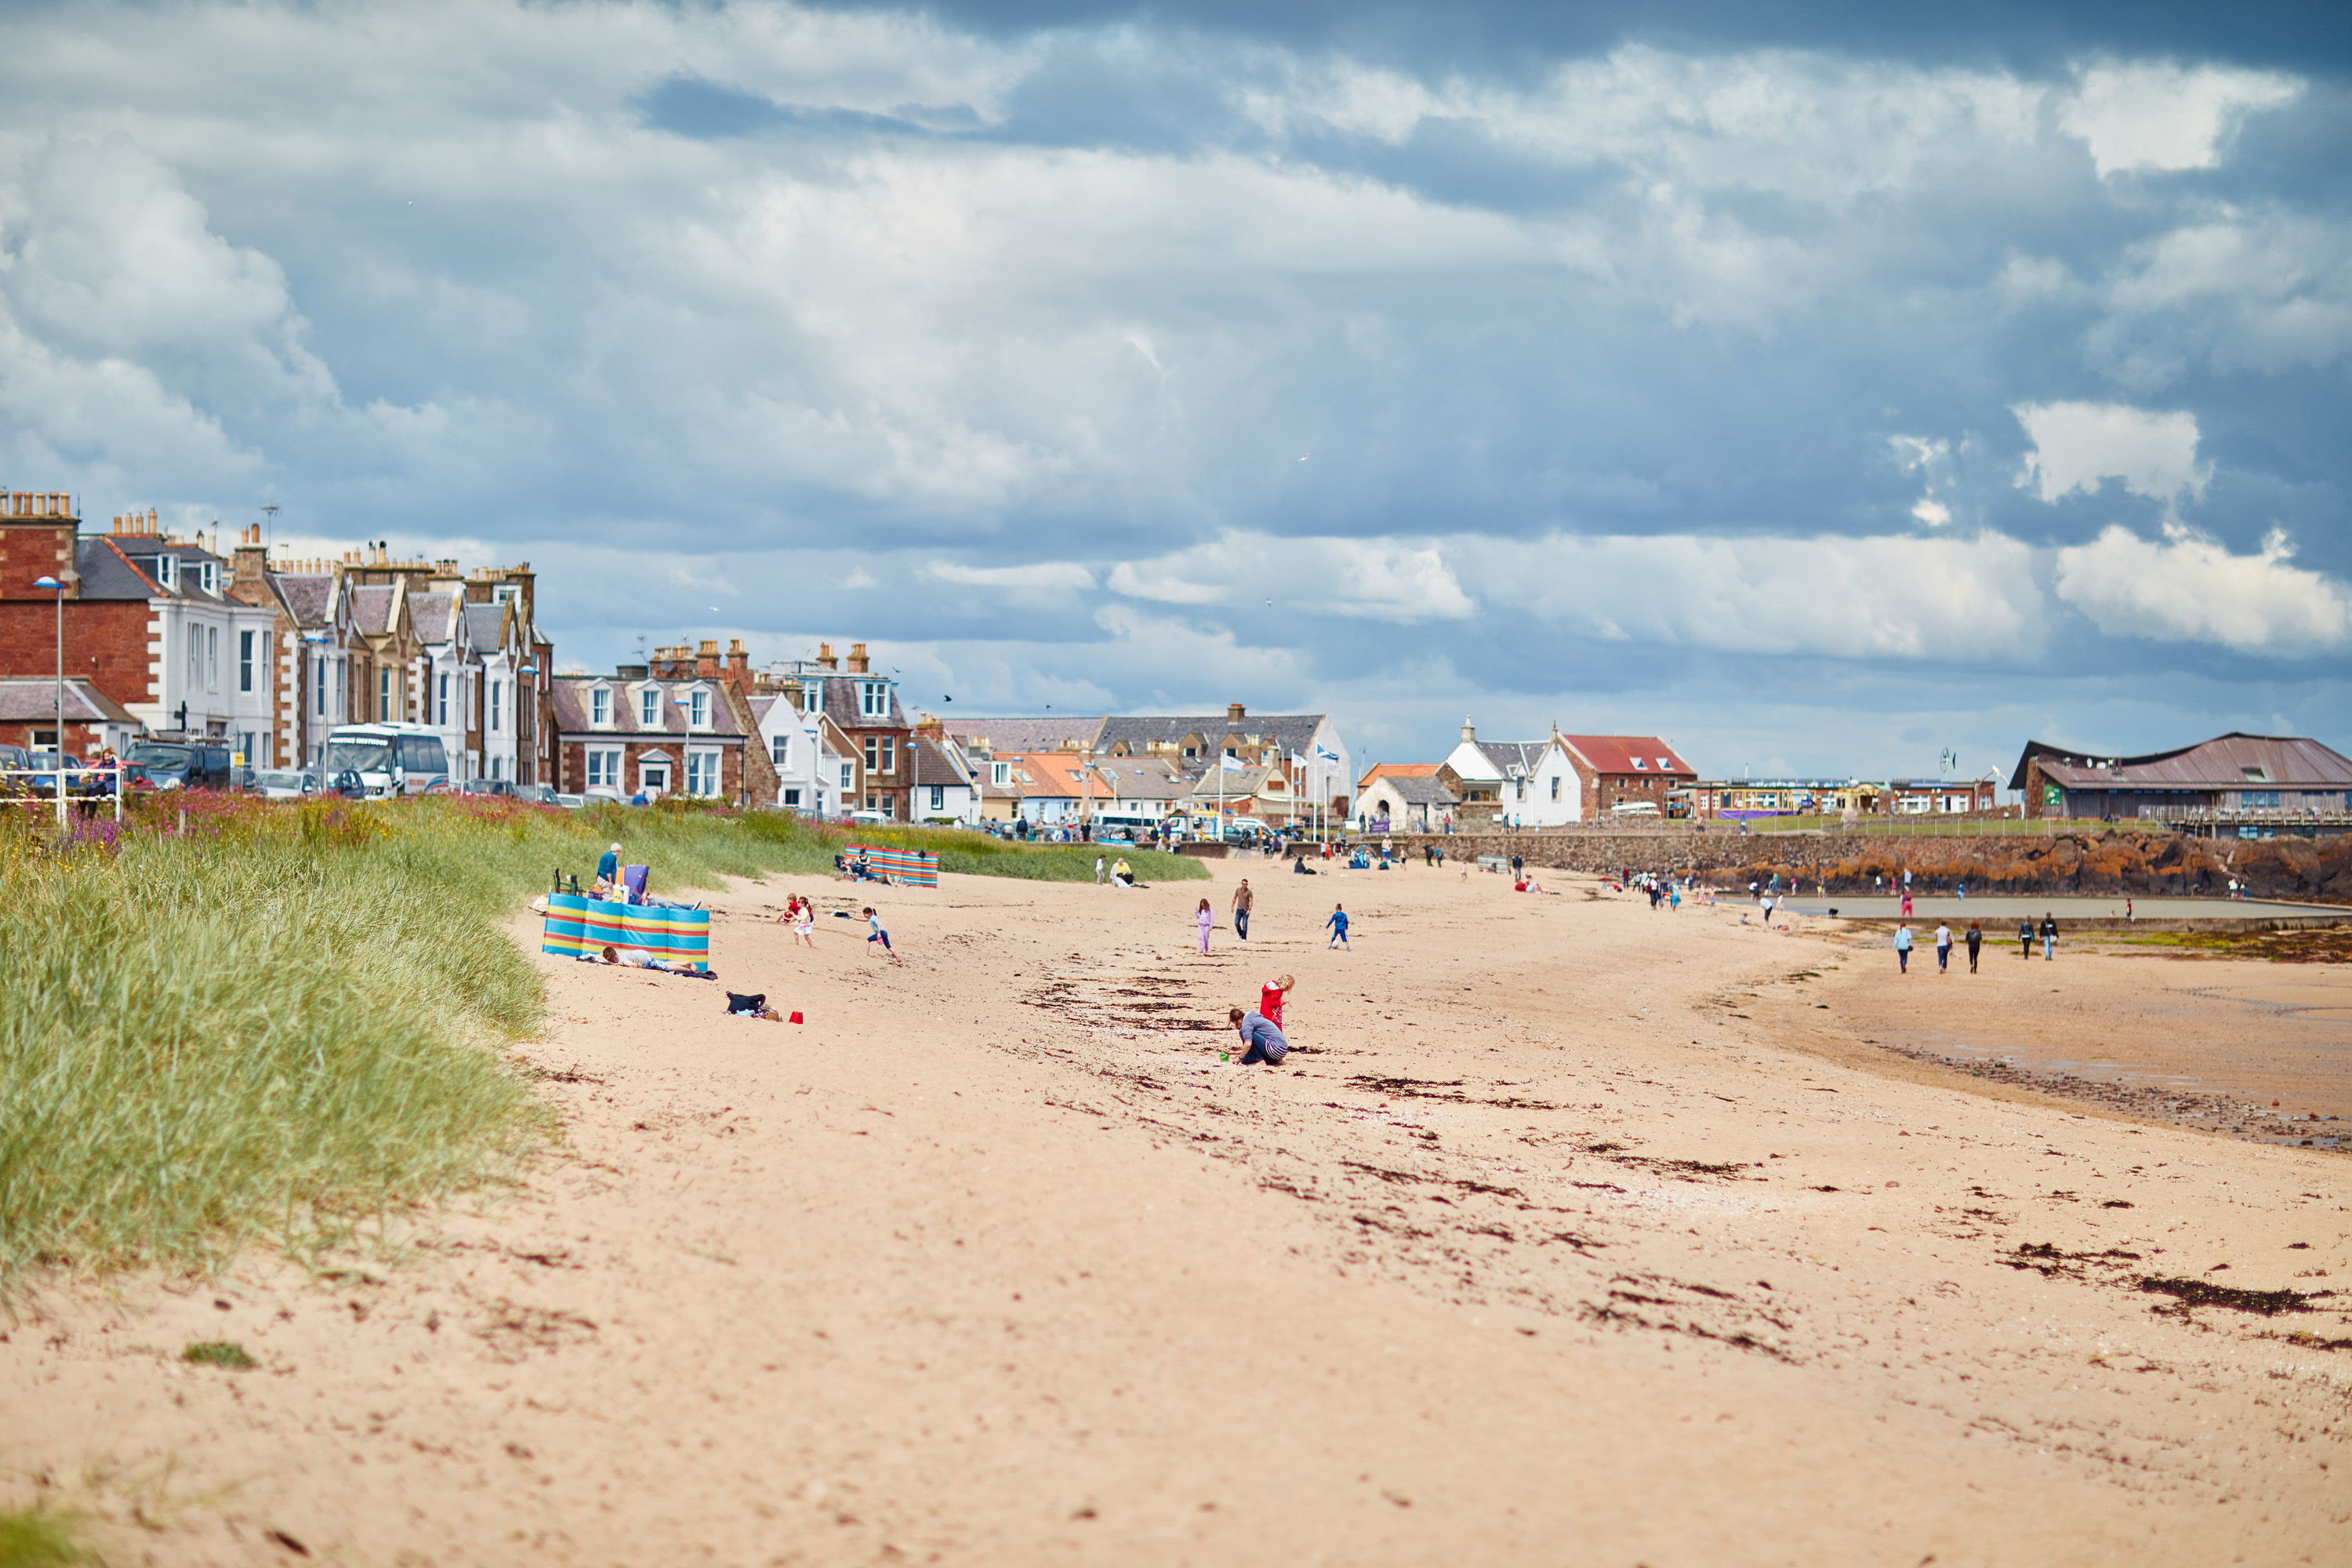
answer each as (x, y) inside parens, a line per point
(874, 933)
(1204, 917)
(1976, 940)
(1243, 899)
(1102, 870)
(1903, 948)
(2049, 935)
(1943, 947)
(1339, 924)
(2025, 936)
(1260, 1035)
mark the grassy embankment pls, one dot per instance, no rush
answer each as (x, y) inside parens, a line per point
(285, 1024)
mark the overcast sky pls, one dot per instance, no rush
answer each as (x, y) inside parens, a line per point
(1816, 391)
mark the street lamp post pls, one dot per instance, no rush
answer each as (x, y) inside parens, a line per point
(59, 588)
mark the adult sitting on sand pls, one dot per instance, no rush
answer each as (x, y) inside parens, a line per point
(638, 958)
(1121, 874)
(1257, 1032)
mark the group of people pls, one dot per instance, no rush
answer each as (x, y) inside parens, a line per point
(1973, 939)
(1119, 873)
(1205, 918)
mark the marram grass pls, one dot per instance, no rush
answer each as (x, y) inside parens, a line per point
(285, 1024)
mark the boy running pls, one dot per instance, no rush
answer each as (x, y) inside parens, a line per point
(1339, 925)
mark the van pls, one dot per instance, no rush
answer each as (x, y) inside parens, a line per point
(390, 759)
(177, 764)
(1635, 808)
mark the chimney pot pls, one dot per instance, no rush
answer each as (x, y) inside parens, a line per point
(1233, 711)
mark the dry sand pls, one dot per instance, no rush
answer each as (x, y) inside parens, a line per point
(1580, 1234)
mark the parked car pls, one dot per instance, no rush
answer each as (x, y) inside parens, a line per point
(869, 819)
(348, 784)
(488, 786)
(177, 764)
(46, 781)
(572, 801)
(290, 783)
(538, 794)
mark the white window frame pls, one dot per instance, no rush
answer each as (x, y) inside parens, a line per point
(319, 684)
(212, 658)
(698, 708)
(600, 707)
(497, 698)
(649, 709)
(781, 750)
(813, 696)
(702, 773)
(603, 767)
(874, 700)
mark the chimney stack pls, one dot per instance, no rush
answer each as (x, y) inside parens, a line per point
(1469, 732)
(1233, 711)
(857, 659)
(739, 663)
(705, 659)
(825, 659)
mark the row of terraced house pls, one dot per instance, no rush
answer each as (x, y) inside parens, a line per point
(189, 636)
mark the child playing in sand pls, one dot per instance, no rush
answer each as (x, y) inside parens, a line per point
(1259, 1033)
(1270, 997)
(874, 933)
(1339, 924)
(805, 923)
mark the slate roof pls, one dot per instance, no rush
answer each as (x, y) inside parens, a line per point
(1629, 754)
(371, 609)
(429, 614)
(1415, 790)
(934, 766)
(106, 574)
(571, 711)
(1290, 731)
(841, 702)
(486, 626)
(27, 699)
(1048, 734)
(1512, 758)
(1138, 778)
(306, 597)
(2222, 762)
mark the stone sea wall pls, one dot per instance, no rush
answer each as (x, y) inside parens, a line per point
(2317, 871)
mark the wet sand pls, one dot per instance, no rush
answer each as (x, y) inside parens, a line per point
(1573, 1232)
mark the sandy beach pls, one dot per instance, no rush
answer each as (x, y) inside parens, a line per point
(1572, 1232)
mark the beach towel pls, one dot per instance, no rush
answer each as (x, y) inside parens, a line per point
(577, 925)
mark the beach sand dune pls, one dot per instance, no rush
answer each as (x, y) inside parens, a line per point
(1572, 1232)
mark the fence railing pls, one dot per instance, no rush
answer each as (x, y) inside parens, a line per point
(47, 792)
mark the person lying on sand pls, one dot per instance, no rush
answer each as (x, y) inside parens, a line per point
(1264, 1041)
(751, 1007)
(638, 958)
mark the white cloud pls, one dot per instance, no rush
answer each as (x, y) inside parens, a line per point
(2264, 289)
(2165, 117)
(1042, 575)
(1874, 597)
(1377, 579)
(1934, 513)
(2078, 445)
(2189, 588)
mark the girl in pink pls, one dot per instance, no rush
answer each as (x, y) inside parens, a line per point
(805, 923)
(1207, 917)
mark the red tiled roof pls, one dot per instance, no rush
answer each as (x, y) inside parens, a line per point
(1398, 771)
(1619, 754)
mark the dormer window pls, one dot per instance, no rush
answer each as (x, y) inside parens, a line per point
(649, 708)
(1665, 764)
(167, 572)
(1000, 774)
(874, 700)
(1638, 763)
(698, 709)
(599, 705)
(208, 576)
(813, 696)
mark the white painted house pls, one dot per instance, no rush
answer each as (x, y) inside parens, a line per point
(1519, 783)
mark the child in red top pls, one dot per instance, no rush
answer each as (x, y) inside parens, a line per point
(1270, 999)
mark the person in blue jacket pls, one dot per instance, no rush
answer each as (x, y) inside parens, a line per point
(608, 864)
(1257, 1032)
(1903, 948)
(1339, 924)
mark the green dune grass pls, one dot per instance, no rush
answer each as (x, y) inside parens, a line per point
(285, 1024)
